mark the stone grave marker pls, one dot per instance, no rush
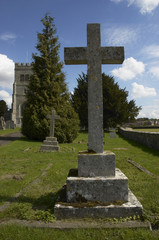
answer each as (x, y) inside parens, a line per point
(112, 133)
(2, 123)
(96, 180)
(51, 144)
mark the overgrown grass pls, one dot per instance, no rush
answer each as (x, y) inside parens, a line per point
(22, 158)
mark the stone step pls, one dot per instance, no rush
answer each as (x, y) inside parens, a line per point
(54, 143)
(98, 189)
(49, 148)
(52, 139)
(133, 207)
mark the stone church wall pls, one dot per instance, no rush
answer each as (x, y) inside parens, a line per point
(21, 79)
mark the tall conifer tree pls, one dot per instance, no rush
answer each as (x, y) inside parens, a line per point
(47, 90)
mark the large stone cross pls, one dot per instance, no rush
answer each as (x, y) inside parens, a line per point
(52, 118)
(94, 56)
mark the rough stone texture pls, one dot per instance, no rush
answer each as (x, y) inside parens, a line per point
(99, 164)
(102, 189)
(149, 139)
(95, 92)
(21, 81)
(49, 145)
(128, 209)
(94, 56)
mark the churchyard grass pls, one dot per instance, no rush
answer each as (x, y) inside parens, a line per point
(22, 163)
(7, 131)
(147, 129)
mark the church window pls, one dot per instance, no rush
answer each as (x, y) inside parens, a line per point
(22, 77)
(26, 77)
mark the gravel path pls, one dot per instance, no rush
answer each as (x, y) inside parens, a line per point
(5, 139)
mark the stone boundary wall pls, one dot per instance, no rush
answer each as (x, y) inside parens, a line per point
(149, 139)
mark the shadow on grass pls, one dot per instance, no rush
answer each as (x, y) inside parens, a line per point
(44, 202)
(140, 146)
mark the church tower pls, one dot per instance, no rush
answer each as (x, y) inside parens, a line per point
(22, 74)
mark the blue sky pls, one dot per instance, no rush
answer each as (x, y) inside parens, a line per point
(133, 24)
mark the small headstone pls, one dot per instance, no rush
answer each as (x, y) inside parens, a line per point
(112, 133)
(2, 123)
(50, 143)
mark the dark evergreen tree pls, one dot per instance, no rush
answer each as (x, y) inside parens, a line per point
(80, 100)
(116, 108)
(47, 90)
(3, 107)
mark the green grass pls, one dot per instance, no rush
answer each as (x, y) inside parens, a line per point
(147, 130)
(24, 233)
(37, 201)
(7, 131)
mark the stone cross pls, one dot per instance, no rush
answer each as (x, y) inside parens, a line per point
(94, 56)
(52, 118)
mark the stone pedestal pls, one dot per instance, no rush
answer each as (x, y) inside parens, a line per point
(97, 189)
(96, 164)
(49, 145)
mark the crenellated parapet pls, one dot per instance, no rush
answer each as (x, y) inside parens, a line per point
(23, 65)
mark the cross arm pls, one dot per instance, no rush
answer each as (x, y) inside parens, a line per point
(75, 55)
(112, 55)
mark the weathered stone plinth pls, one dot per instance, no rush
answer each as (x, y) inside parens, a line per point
(92, 195)
(98, 189)
(49, 145)
(96, 164)
(131, 208)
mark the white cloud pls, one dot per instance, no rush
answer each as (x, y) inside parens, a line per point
(6, 72)
(116, 1)
(151, 51)
(150, 111)
(6, 97)
(129, 70)
(145, 6)
(155, 71)
(119, 35)
(139, 91)
(7, 36)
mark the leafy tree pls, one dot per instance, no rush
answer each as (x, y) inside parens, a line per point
(116, 108)
(3, 107)
(47, 90)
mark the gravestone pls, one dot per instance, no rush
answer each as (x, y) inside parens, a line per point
(112, 133)
(50, 143)
(2, 123)
(96, 180)
(10, 124)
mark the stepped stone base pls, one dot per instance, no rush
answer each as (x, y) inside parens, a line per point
(131, 208)
(97, 190)
(101, 189)
(50, 145)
